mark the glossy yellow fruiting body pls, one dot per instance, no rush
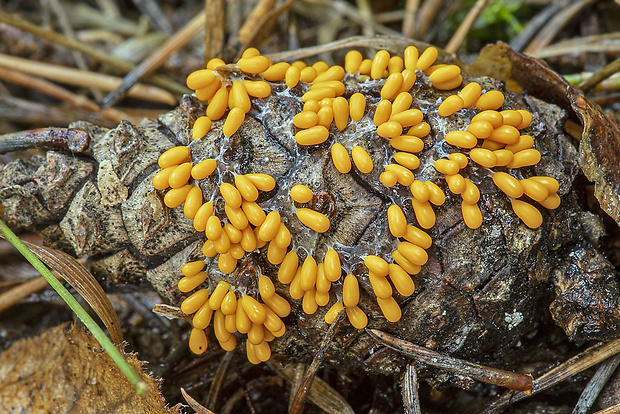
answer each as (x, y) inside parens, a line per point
(390, 309)
(407, 143)
(436, 194)
(193, 202)
(177, 196)
(420, 191)
(198, 341)
(308, 274)
(333, 312)
(456, 183)
(352, 61)
(312, 136)
(357, 317)
(401, 103)
(301, 194)
(462, 139)
(195, 301)
(529, 214)
(313, 220)
(450, 105)
(173, 156)
(407, 117)
(202, 216)
(389, 129)
(380, 285)
(508, 184)
(470, 94)
(392, 86)
(377, 265)
(397, 221)
(525, 158)
(480, 129)
(472, 216)
(233, 121)
(407, 160)
(483, 157)
(382, 112)
(203, 169)
(201, 127)
(341, 113)
(189, 283)
(447, 167)
(492, 117)
(218, 105)
(490, 100)
(340, 158)
(379, 64)
(350, 291)
(427, 58)
(401, 280)
(357, 106)
(413, 253)
(362, 159)
(255, 310)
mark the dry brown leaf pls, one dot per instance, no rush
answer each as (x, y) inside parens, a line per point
(599, 149)
(65, 370)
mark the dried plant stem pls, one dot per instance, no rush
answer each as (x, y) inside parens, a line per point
(159, 80)
(91, 325)
(214, 29)
(411, 400)
(466, 25)
(76, 77)
(253, 23)
(594, 387)
(156, 59)
(21, 291)
(601, 75)
(562, 372)
(58, 92)
(614, 409)
(411, 10)
(299, 398)
(490, 375)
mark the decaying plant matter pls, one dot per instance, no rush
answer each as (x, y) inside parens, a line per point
(480, 293)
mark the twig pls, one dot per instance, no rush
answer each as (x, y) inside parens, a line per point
(411, 10)
(63, 94)
(159, 80)
(601, 75)
(214, 29)
(252, 24)
(76, 77)
(557, 22)
(68, 31)
(562, 372)
(218, 379)
(395, 44)
(594, 387)
(363, 6)
(155, 14)
(195, 405)
(466, 25)
(411, 400)
(154, 61)
(21, 291)
(300, 395)
(490, 375)
(535, 24)
(614, 409)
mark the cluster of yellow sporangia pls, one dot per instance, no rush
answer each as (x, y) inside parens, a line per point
(492, 139)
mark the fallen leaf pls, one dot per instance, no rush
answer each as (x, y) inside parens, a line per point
(66, 370)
